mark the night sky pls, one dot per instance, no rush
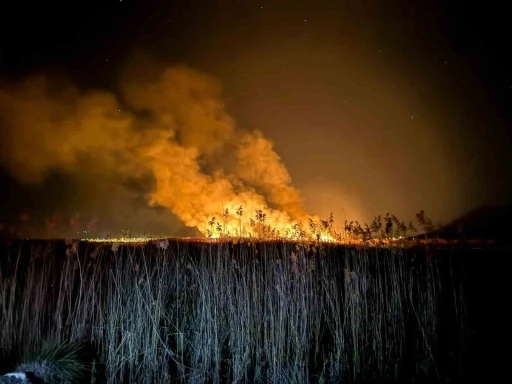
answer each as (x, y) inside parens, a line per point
(373, 106)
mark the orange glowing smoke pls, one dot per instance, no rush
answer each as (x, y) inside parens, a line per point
(172, 126)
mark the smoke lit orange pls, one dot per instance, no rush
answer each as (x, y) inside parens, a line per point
(217, 178)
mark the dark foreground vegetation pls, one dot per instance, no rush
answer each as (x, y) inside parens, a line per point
(269, 312)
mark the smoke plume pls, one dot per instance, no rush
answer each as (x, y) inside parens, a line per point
(166, 129)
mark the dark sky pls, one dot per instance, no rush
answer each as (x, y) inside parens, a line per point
(373, 106)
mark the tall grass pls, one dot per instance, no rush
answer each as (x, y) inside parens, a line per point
(278, 312)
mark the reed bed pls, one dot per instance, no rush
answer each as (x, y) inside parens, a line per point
(228, 311)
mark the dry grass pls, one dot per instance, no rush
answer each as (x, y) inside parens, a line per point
(223, 312)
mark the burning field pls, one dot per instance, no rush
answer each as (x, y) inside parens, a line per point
(164, 136)
(269, 293)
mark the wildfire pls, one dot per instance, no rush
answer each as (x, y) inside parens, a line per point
(172, 129)
(260, 227)
(267, 224)
(145, 240)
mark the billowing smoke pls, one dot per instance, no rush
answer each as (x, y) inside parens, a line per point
(167, 131)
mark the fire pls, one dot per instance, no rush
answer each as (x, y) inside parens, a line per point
(172, 129)
(266, 224)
